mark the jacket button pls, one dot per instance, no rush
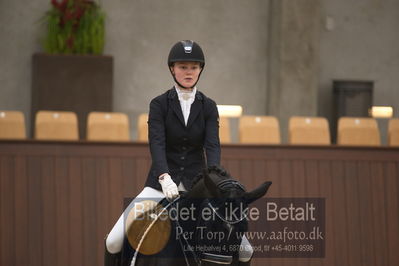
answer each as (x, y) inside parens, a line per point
(185, 139)
(181, 168)
(184, 148)
(182, 158)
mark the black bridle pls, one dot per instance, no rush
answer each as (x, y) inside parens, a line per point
(228, 184)
(224, 186)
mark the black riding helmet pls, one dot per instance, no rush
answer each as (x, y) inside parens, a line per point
(186, 51)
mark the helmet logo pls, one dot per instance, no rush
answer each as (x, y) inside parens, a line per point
(188, 49)
(188, 46)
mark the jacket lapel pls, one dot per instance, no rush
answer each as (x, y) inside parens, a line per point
(175, 105)
(195, 109)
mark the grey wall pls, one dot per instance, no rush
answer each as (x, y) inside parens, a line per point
(236, 37)
(293, 60)
(20, 33)
(232, 33)
(362, 44)
(139, 34)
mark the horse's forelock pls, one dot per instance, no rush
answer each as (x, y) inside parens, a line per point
(218, 175)
(219, 171)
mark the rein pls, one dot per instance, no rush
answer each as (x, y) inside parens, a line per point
(223, 219)
(196, 259)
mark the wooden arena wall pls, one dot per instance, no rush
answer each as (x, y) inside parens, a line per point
(59, 199)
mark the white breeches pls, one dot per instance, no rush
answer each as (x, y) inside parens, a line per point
(115, 238)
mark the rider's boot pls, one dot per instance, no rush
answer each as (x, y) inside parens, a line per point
(111, 259)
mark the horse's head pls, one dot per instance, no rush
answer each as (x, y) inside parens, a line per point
(220, 184)
(226, 201)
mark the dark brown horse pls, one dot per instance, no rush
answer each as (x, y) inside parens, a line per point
(203, 227)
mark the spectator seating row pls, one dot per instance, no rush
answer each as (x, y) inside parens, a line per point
(53, 125)
(311, 131)
(61, 125)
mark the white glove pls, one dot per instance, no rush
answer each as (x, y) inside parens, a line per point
(169, 188)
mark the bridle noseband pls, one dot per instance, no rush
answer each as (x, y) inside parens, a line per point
(226, 185)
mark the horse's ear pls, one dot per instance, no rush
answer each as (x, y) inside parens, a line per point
(210, 184)
(257, 192)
